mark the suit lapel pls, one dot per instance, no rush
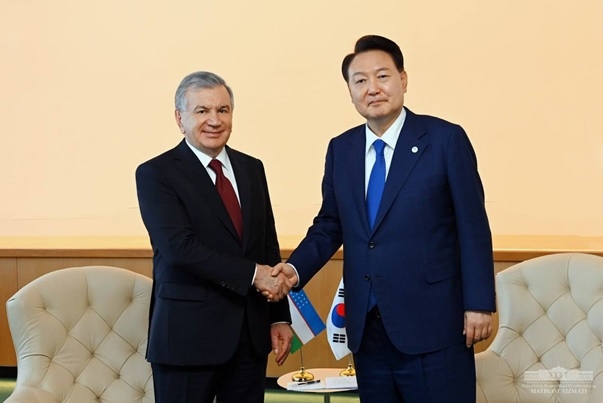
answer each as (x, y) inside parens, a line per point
(196, 173)
(409, 149)
(244, 188)
(356, 163)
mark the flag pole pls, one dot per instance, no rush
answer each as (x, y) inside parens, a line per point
(349, 371)
(302, 375)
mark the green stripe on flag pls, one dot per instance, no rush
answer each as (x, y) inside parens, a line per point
(296, 344)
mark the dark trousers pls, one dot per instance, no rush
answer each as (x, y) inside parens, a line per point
(240, 380)
(385, 375)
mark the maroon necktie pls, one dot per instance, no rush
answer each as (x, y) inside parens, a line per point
(228, 196)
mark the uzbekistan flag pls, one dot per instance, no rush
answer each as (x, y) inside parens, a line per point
(304, 319)
(336, 333)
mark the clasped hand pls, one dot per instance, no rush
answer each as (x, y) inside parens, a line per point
(275, 282)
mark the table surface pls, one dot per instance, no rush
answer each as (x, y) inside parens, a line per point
(319, 373)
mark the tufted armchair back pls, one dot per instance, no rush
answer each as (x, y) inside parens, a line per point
(80, 335)
(548, 344)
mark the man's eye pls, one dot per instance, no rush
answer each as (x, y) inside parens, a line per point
(360, 81)
(382, 76)
(201, 111)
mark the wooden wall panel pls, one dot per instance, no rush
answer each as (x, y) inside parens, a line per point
(19, 266)
(30, 268)
(321, 290)
(8, 287)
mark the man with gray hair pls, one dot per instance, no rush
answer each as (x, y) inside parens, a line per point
(207, 210)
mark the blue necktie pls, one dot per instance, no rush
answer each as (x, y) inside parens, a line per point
(373, 196)
(376, 183)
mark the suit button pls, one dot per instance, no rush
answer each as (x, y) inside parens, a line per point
(371, 244)
(223, 284)
(367, 277)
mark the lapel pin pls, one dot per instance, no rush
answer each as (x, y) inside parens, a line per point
(414, 149)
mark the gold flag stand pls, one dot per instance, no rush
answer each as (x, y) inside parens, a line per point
(349, 371)
(302, 375)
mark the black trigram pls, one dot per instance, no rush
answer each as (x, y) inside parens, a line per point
(340, 293)
(338, 337)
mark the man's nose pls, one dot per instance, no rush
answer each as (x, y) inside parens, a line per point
(373, 86)
(214, 119)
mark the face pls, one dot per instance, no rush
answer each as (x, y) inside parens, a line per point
(377, 88)
(207, 121)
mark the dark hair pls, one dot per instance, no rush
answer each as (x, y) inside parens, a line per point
(373, 42)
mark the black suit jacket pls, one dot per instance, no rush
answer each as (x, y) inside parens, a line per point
(202, 289)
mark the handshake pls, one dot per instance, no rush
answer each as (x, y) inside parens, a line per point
(275, 282)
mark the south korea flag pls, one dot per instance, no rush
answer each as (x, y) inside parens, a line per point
(338, 340)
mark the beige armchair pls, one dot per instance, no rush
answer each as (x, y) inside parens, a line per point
(548, 344)
(80, 335)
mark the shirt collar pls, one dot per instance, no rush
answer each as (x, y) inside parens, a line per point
(391, 135)
(206, 159)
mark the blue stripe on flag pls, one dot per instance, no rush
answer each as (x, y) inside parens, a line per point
(308, 313)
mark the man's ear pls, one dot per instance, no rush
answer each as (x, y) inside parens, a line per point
(178, 117)
(404, 78)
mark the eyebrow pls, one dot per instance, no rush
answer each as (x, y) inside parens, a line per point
(380, 69)
(201, 107)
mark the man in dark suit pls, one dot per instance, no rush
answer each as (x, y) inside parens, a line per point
(418, 265)
(210, 329)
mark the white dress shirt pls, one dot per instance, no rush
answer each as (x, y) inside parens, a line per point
(226, 166)
(390, 137)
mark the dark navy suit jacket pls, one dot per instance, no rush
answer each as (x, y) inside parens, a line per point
(202, 273)
(429, 255)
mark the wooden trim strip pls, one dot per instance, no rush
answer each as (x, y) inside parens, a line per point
(506, 248)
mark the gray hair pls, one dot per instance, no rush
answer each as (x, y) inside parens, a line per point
(198, 80)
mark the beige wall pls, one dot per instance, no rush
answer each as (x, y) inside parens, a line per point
(86, 95)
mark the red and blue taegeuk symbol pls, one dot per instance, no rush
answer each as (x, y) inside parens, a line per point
(338, 315)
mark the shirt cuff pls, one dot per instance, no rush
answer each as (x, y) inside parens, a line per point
(254, 273)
